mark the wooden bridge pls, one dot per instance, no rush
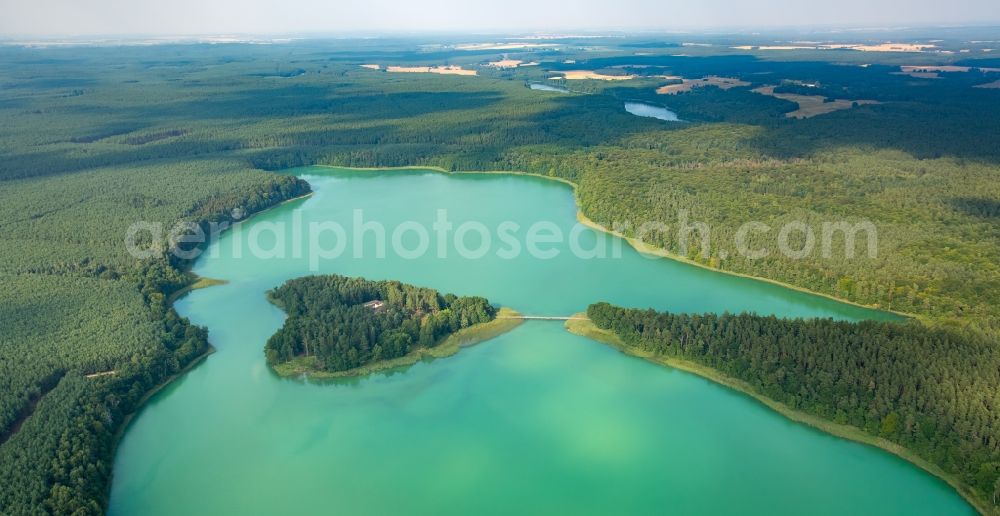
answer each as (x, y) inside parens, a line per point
(542, 318)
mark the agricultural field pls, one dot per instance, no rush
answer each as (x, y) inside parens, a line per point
(96, 138)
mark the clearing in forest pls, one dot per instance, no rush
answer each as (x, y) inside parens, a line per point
(811, 105)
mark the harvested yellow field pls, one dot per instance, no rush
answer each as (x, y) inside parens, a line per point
(690, 84)
(443, 70)
(502, 46)
(371, 66)
(575, 75)
(948, 68)
(919, 75)
(920, 69)
(933, 71)
(990, 85)
(774, 47)
(505, 63)
(894, 47)
(810, 105)
(882, 47)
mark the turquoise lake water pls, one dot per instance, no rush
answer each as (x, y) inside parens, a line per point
(536, 421)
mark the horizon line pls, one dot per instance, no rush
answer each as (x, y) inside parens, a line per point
(562, 33)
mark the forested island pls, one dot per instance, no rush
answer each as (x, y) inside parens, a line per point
(931, 391)
(341, 326)
(96, 138)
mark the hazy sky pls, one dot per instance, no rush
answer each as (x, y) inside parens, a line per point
(91, 17)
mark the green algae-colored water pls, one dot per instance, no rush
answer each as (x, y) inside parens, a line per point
(536, 421)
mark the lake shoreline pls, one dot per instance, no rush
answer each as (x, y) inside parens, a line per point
(586, 328)
(451, 351)
(141, 404)
(196, 283)
(450, 345)
(636, 244)
(644, 248)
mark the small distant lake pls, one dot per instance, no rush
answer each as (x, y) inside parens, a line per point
(546, 87)
(649, 110)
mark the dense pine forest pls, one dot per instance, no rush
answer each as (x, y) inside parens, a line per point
(345, 323)
(96, 138)
(87, 330)
(934, 391)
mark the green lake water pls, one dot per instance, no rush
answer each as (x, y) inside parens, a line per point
(535, 421)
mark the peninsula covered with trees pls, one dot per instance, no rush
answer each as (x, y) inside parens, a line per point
(98, 137)
(338, 324)
(932, 391)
